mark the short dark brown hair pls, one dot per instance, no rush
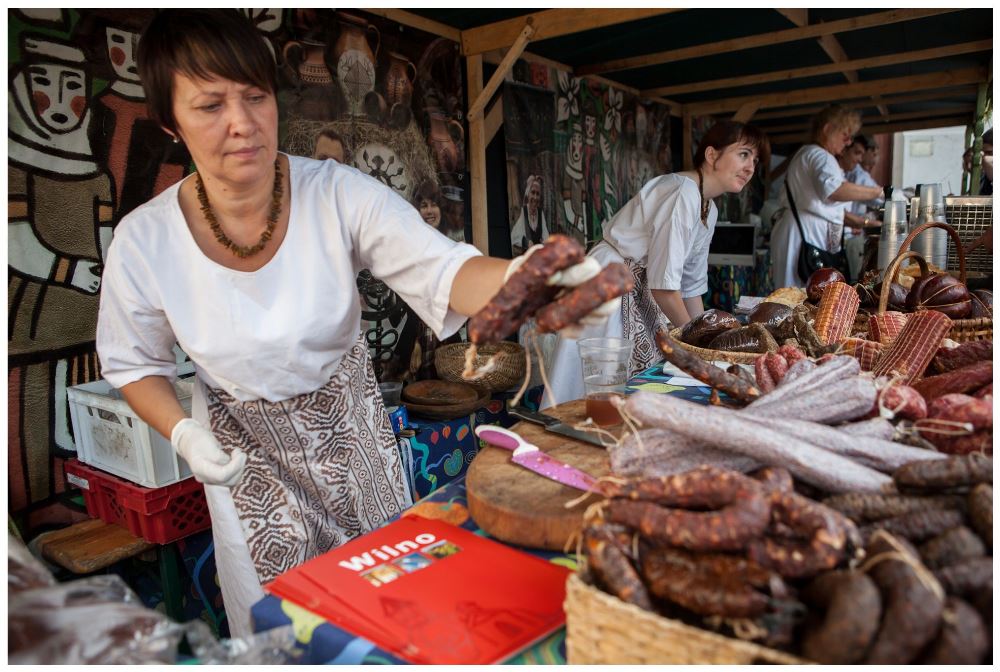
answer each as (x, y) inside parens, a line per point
(428, 190)
(727, 132)
(203, 44)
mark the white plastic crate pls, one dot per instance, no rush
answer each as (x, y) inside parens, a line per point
(111, 437)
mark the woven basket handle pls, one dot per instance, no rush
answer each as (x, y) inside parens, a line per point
(890, 274)
(954, 237)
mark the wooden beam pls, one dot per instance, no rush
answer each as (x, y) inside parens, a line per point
(894, 100)
(495, 56)
(476, 109)
(825, 69)
(477, 158)
(902, 116)
(763, 39)
(916, 125)
(549, 23)
(745, 113)
(837, 92)
(418, 22)
(493, 121)
(686, 149)
(799, 16)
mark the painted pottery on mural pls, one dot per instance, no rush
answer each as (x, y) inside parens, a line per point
(355, 59)
(399, 79)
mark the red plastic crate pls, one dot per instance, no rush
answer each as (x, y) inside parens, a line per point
(159, 515)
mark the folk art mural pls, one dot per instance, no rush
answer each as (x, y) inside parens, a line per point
(577, 150)
(82, 153)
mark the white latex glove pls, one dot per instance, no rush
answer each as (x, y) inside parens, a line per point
(208, 462)
(571, 277)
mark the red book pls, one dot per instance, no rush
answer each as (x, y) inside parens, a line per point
(432, 593)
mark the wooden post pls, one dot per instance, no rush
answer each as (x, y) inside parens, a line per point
(977, 140)
(969, 135)
(477, 157)
(686, 143)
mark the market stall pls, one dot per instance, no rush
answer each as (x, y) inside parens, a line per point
(795, 468)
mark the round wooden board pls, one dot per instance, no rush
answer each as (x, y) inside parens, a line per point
(520, 507)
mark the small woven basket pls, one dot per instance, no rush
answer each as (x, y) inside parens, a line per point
(962, 331)
(714, 355)
(603, 630)
(508, 370)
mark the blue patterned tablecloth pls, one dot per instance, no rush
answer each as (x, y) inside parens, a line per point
(325, 643)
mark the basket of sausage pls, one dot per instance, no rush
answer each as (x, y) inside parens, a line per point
(970, 312)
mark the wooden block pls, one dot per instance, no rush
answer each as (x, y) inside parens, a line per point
(89, 546)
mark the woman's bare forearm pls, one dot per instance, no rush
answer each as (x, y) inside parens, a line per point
(672, 305)
(476, 282)
(849, 191)
(154, 400)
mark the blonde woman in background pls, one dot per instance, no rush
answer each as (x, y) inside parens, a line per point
(821, 192)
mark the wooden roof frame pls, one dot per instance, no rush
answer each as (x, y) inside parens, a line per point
(503, 42)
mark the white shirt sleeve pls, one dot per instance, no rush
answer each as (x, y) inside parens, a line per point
(695, 280)
(134, 338)
(672, 217)
(826, 173)
(411, 257)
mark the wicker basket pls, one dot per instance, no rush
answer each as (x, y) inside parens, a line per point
(508, 372)
(962, 331)
(603, 630)
(714, 355)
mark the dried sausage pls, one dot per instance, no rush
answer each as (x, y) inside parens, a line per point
(612, 568)
(525, 291)
(853, 609)
(613, 281)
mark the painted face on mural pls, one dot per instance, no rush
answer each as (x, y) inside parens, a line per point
(534, 197)
(430, 212)
(58, 95)
(590, 126)
(329, 148)
(575, 149)
(121, 50)
(231, 129)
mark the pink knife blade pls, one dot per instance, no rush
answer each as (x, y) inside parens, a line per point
(530, 457)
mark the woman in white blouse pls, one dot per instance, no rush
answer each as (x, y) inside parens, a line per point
(250, 265)
(530, 228)
(662, 234)
(821, 192)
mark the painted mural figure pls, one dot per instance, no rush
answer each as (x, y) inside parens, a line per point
(142, 160)
(573, 183)
(530, 227)
(59, 226)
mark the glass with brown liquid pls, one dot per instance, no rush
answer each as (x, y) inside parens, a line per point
(605, 373)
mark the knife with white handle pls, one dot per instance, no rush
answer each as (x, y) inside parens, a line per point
(530, 457)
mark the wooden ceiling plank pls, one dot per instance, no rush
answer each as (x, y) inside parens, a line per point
(548, 24)
(418, 22)
(476, 109)
(799, 16)
(745, 113)
(890, 100)
(916, 125)
(825, 69)
(900, 116)
(676, 109)
(762, 39)
(839, 92)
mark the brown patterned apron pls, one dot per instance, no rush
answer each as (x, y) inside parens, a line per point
(322, 468)
(641, 317)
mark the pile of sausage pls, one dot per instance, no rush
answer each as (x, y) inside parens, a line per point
(838, 581)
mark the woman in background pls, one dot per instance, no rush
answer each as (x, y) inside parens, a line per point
(662, 234)
(821, 193)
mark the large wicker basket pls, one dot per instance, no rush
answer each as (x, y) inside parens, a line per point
(714, 355)
(603, 630)
(508, 370)
(962, 331)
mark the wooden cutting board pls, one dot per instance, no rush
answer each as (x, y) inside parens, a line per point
(520, 507)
